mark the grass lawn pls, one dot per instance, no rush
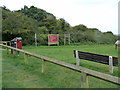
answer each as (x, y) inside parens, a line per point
(18, 75)
(0, 68)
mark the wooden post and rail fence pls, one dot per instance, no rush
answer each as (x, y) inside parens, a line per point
(84, 71)
(5, 42)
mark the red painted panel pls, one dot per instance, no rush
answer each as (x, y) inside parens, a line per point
(19, 44)
(53, 38)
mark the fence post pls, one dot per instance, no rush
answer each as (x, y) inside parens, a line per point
(43, 65)
(25, 58)
(14, 53)
(77, 58)
(110, 64)
(7, 50)
(11, 51)
(84, 80)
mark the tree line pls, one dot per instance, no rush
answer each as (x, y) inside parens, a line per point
(28, 21)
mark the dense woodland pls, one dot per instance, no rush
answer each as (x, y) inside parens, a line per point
(28, 21)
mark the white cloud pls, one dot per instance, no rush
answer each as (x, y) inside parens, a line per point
(101, 14)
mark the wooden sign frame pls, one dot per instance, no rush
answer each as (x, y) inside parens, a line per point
(66, 36)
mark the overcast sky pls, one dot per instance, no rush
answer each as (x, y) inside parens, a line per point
(101, 14)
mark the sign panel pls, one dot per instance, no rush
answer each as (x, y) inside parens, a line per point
(53, 39)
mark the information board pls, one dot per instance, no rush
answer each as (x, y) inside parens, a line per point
(53, 39)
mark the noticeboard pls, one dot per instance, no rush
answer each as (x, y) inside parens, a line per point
(53, 39)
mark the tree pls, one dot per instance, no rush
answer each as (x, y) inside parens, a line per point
(80, 27)
(108, 38)
(62, 26)
(28, 21)
(42, 30)
(50, 24)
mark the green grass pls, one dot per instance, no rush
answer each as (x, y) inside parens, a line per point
(0, 68)
(18, 75)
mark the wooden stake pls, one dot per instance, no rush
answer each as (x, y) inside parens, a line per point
(84, 80)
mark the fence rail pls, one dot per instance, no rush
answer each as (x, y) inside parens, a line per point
(5, 42)
(85, 72)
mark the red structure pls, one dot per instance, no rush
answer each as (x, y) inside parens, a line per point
(53, 39)
(19, 42)
(16, 42)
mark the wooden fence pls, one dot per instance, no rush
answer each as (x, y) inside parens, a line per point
(5, 42)
(85, 72)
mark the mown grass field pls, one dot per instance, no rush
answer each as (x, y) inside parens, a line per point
(16, 74)
(0, 68)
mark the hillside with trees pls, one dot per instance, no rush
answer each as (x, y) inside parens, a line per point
(28, 21)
